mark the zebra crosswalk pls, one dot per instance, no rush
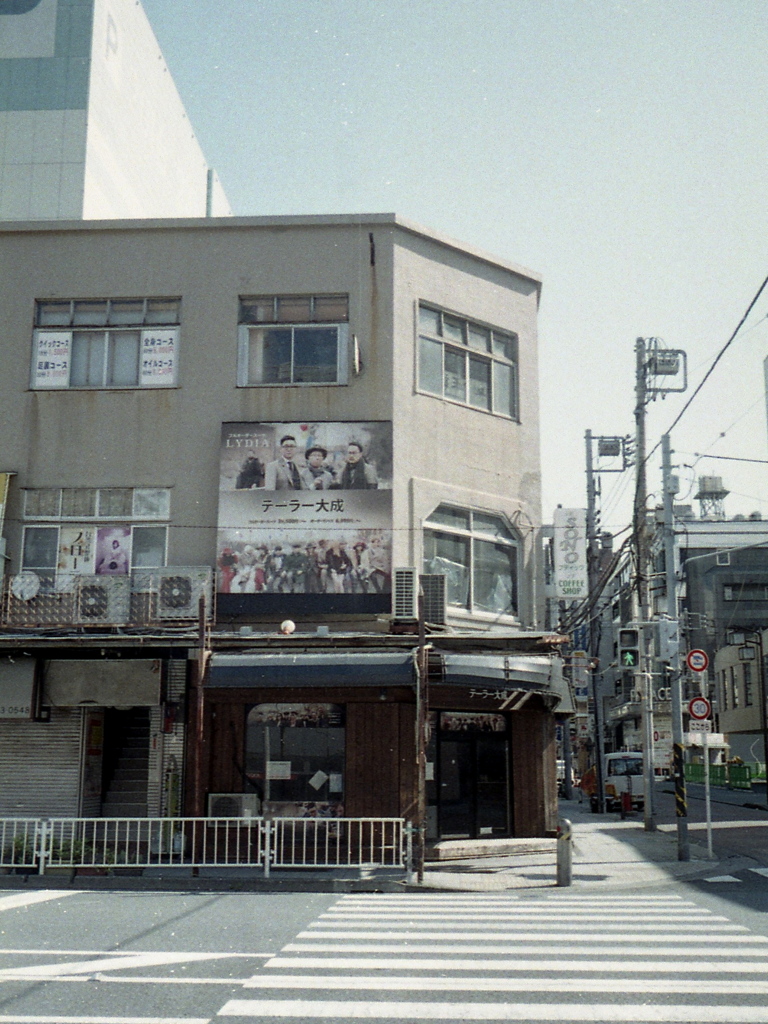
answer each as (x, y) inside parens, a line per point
(415, 957)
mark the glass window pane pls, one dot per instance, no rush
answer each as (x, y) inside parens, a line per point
(54, 314)
(123, 358)
(429, 320)
(116, 501)
(269, 357)
(447, 554)
(504, 389)
(151, 503)
(447, 516)
(78, 501)
(494, 578)
(87, 367)
(315, 355)
(455, 375)
(41, 547)
(294, 309)
(331, 308)
(163, 311)
(42, 501)
(148, 547)
(479, 338)
(257, 311)
(126, 311)
(505, 345)
(431, 366)
(92, 313)
(453, 328)
(480, 382)
(493, 525)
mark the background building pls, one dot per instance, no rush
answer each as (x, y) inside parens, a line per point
(91, 124)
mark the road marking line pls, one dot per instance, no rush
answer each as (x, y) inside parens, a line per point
(648, 918)
(411, 963)
(125, 962)
(760, 871)
(672, 949)
(26, 899)
(340, 1010)
(723, 878)
(509, 933)
(115, 953)
(528, 984)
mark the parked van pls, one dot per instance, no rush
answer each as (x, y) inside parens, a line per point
(623, 774)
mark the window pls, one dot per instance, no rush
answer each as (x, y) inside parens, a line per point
(734, 687)
(745, 592)
(106, 343)
(293, 339)
(94, 530)
(294, 758)
(724, 688)
(746, 669)
(477, 553)
(467, 362)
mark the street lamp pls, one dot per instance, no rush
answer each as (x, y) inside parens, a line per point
(748, 641)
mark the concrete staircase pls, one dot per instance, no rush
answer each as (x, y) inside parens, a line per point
(126, 790)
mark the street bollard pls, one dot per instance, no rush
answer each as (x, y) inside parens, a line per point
(564, 852)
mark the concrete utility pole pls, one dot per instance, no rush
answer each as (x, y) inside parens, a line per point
(641, 601)
(675, 682)
(592, 567)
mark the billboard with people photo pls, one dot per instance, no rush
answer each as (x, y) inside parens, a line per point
(305, 508)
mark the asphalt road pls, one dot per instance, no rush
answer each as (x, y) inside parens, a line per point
(684, 954)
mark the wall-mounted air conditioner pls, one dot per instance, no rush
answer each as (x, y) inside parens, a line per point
(179, 591)
(103, 600)
(233, 805)
(405, 593)
(433, 587)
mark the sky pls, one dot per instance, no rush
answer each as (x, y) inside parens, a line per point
(617, 147)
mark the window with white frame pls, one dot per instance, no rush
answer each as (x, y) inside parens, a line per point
(89, 530)
(468, 362)
(293, 339)
(746, 670)
(106, 343)
(477, 552)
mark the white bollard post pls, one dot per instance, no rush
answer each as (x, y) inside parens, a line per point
(564, 852)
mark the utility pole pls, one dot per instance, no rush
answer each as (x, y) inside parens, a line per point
(592, 567)
(678, 758)
(640, 531)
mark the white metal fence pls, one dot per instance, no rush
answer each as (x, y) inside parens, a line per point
(102, 843)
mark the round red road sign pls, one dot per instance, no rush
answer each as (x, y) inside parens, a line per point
(697, 661)
(699, 708)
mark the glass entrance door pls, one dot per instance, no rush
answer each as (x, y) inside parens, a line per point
(472, 791)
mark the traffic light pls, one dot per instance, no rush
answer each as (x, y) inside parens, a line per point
(629, 648)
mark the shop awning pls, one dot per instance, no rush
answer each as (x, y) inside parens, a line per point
(528, 673)
(339, 668)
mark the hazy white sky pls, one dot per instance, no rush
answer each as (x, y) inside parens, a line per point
(618, 147)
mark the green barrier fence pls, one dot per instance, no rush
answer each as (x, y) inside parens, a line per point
(731, 776)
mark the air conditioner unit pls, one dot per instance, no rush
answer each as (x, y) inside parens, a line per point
(179, 592)
(233, 805)
(103, 599)
(405, 593)
(433, 587)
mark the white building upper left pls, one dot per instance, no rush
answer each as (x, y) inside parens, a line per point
(91, 124)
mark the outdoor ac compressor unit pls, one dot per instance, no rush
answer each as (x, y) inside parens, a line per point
(233, 805)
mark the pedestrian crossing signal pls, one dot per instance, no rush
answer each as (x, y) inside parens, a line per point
(629, 648)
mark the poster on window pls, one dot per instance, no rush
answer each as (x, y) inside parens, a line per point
(113, 550)
(158, 358)
(50, 367)
(77, 552)
(305, 508)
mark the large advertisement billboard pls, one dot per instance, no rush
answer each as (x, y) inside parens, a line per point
(305, 508)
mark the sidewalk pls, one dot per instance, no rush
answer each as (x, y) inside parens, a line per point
(608, 853)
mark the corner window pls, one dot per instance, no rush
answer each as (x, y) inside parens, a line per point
(294, 759)
(477, 553)
(105, 343)
(468, 362)
(299, 339)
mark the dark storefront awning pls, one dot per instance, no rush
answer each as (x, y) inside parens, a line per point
(340, 668)
(530, 673)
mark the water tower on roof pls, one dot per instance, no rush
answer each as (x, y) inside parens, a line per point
(711, 496)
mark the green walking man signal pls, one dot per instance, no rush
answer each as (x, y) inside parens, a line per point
(629, 648)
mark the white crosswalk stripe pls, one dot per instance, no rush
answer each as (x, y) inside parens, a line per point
(514, 958)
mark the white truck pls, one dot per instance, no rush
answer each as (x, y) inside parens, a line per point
(623, 774)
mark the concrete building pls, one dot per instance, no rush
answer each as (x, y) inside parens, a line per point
(214, 426)
(91, 124)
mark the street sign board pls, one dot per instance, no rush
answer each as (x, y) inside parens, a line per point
(697, 661)
(699, 708)
(698, 725)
